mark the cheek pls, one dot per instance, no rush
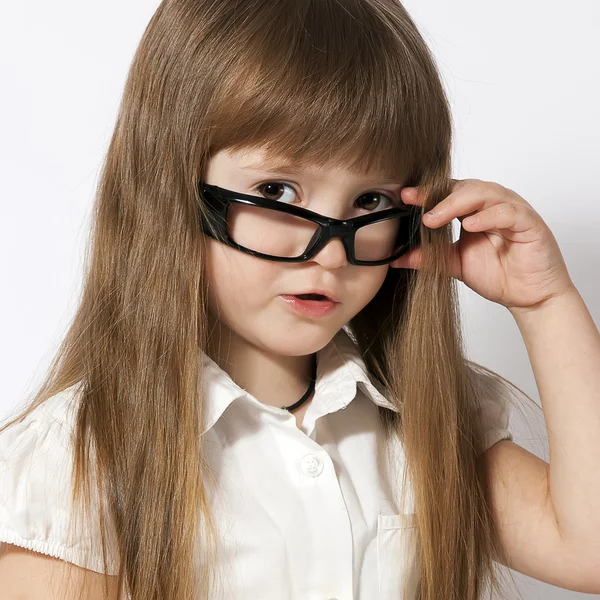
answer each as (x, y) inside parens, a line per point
(368, 283)
(237, 281)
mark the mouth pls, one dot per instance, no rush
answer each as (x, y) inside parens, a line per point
(316, 295)
(310, 305)
(311, 296)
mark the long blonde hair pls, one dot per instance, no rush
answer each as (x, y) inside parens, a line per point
(344, 82)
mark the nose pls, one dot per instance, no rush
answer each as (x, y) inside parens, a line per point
(332, 255)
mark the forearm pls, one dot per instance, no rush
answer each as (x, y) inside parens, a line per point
(563, 344)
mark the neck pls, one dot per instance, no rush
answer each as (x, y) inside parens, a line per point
(271, 378)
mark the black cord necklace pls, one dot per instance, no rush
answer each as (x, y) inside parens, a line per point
(309, 391)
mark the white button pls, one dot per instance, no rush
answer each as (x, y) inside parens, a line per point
(311, 465)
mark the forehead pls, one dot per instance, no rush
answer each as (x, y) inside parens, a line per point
(257, 161)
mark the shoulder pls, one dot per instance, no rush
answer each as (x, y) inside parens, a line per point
(492, 405)
(36, 457)
(40, 442)
(38, 445)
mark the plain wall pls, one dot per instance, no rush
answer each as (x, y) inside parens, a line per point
(523, 79)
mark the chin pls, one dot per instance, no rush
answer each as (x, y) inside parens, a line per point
(298, 341)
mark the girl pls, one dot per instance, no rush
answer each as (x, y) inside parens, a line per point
(209, 431)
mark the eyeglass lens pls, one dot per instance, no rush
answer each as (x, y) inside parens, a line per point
(287, 236)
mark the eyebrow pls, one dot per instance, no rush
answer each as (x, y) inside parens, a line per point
(294, 169)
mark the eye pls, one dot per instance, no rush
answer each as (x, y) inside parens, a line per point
(370, 208)
(271, 189)
(272, 193)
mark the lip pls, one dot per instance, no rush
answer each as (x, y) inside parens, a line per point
(329, 295)
(310, 308)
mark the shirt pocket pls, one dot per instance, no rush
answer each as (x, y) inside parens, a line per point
(395, 554)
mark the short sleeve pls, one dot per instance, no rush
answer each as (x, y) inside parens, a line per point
(493, 402)
(35, 486)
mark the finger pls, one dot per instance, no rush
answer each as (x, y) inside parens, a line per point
(467, 200)
(416, 195)
(506, 215)
(461, 219)
(412, 195)
(413, 260)
(455, 266)
(460, 183)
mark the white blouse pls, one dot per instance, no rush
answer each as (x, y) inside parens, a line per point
(307, 514)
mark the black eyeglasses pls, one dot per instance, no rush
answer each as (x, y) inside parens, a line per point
(280, 232)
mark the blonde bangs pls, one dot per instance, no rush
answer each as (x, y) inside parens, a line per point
(349, 92)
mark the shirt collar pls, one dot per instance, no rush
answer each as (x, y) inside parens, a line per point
(339, 364)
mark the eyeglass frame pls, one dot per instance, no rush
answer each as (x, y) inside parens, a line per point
(219, 199)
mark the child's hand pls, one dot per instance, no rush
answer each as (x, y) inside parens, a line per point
(506, 252)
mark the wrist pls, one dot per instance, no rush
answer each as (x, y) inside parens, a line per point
(569, 293)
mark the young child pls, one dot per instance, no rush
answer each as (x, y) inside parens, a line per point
(264, 392)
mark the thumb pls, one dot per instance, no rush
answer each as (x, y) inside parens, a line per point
(411, 260)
